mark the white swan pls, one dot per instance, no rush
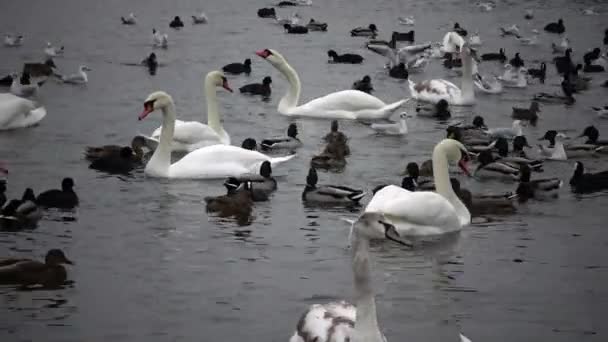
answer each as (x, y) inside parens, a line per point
(345, 104)
(397, 128)
(52, 51)
(211, 162)
(192, 135)
(13, 41)
(17, 112)
(341, 321)
(23, 90)
(435, 90)
(424, 213)
(80, 77)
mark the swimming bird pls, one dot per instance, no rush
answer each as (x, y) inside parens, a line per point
(291, 141)
(492, 56)
(295, 29)
(540, 73)
(491, 167)
(314, 25)
(17, 112)
(556, 27)
(516, 61)
(585, 182)
(261, 185)
(267, 12)
(131, 19)
(80, 77)
(439, 110)
(51, 51)
(13, 40)
(512, 30)
(528, 114)
(336, 137)
(370, 31)
(238, 68)
(538, 189)
(364, 85)
(555, 150)
(562, 46)
(39, 72)
(160, 40)
(408, 21)
(236, 203)
(399, 71)
(601, 111)
(564, 63)
(200, 18)
(398, 128)
(27, 272)
(21, 214)
(529, 14)
(458, 29)
(176, 23)
(329, 194)
(492, 86)
(65, 198)
(483, 205)
(23, 90)
(258, 88)
(506, 132)
(347, 58)
(151, 63)
(123, 163)
(93, 153)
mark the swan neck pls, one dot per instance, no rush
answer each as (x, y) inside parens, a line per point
(161, 159)
(467, 77)
(366, 323)
(443, 185)
(291, 98)
(213, 116)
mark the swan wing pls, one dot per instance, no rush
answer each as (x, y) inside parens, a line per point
(17, 112)
(345, 100)
(331, 322)
(415, 213)
(190, 132)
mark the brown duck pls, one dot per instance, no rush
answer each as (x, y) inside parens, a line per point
(27, 272)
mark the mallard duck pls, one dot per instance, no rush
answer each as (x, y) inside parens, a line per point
(370, 31)
(330, 194)
(593, 135)
(555, 150)
(337, 138)
(262, 185)
(332, 157)
(347, 58)
(482, 205)
(316, 26)
(491, 168)
(519, 158)
(236, 203)
(96, 152)
(364, 85)
(582, 182)
(528, 114)
(21, 214)
(27, 272)
(123, 163)
(538, 189)
(440, 110)
(492, 56)
(592, 144)
(422, 180)
(289, 142)
(557, 27)
(65, 198)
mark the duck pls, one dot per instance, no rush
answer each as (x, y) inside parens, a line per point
(506, 132)
(420, 178)
(399, 71)
(336, 137)
(483, 205)
(592, 68)
(131, 19)
(424, 213)
(485, 6)
(516, 61)
(540, 73)
(332, 158)
(176, 23)
(538, 189)
(267, 12)
(583, 182)
(601, 112)
(439, 110)
(592, 134)
(27, 272)
(189, 136)
(236, 203)
(238, 68)
(518, 156)
(39, 72)
(491, 168)
(475, 40)
(209, 162)
(461, 31)
(370, 31)
(562, 46)
(564, 64)
(529, 41)
(450, 62)
(529, 114)
(434, 90)
(65, 198)
(21, 86)
(529, 14)
(123, 163)
(398, 128)
(592, 55)
(21, 214)
(261, 185)
(13, 40)
(329, 194)
(291, 141)
(493, 56)
(589, 11)
(258, 88)
(514, 77)
(512, 30)
(52, 51)
(200, 18)
(489, 87)
(347, 58)
(314, 25)
(249, 144)
(364, 85)
(556, 27)
(80, 77)
(160, 40)
(345, 104)
(295, 29)
(93, 153)
(407, 21)
(151, 63)
(555, 150)
(17, 112)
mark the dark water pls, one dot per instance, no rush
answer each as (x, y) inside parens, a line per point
(151, 265)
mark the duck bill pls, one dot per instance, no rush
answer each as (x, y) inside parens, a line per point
(464, 167)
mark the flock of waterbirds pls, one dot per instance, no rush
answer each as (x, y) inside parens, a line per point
(430, 199)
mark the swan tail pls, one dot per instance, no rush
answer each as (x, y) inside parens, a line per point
(280, 160)
(390, 108)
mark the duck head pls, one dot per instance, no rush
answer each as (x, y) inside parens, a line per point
(591, 133)
(292, 131)
(56, 257)
(249, 144)
(67, 184)
(519, 142)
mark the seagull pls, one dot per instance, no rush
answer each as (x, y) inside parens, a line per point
(78, 78)
(160, 40)
(13, 41)
(602, 112)
(397, 128)
(130, 20)
(200, 19)
(512, 30)
(52, 51)
(407, 21)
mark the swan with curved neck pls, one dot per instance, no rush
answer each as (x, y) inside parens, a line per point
(439, 89)
(424, 212)
(17, 112)
(210, 162)
(345, 104)
(192, 135)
